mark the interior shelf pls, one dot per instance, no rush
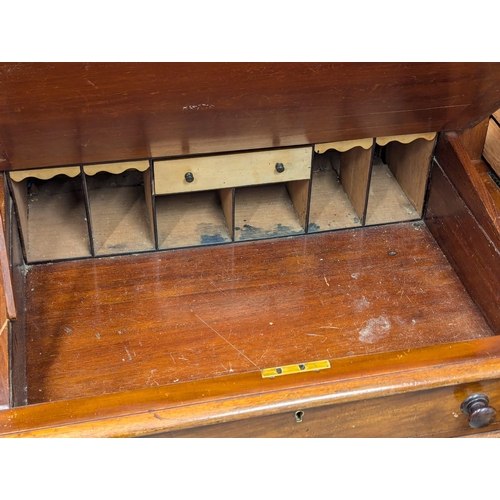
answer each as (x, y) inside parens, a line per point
(269, 211)
(387, 202)
(340, 177)
(195, 218)
(399, 179)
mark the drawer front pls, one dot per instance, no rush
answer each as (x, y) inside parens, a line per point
(422, 413)
(227, 171)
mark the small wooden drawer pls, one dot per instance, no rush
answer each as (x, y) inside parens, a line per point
(232, 170)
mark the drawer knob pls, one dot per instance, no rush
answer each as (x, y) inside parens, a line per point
(189, 177)
(280, 168)
(480, 414)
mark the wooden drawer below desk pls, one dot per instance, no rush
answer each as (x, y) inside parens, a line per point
(232, 170)
(423, 413)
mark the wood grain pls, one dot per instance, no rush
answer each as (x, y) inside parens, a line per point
(491, 151)
(464, 242)
(207, 312)
(386, 200)
(299, 194)
(55, 114)
(470, 184)
(410, 163)
(226, 197)
(473, 139)
(148, 181)
(419, 414)
(355, 170)
(241, 396)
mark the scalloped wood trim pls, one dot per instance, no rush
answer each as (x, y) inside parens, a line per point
(117, 168)
(405, 139)
(44, 173)
(343, 146)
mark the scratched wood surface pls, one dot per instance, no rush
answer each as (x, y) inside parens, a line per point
(246, 396)
(71, 113)
(106, 325)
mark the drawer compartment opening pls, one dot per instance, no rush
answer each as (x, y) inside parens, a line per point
(51, 212)
(339, 185)
(195, 218)
(399, 179)
(121, 211)
(271, 210)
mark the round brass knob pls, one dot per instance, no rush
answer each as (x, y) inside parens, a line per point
(280, 168)
(480, 414)
(189, 177)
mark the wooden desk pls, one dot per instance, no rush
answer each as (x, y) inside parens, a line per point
(174, 231)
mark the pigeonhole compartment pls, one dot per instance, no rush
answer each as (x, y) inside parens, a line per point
(121, 211)
(50, 207)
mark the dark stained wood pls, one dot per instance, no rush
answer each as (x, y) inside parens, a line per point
(487, 99)
(240, 396)
(72, 113)
(18, 327)
(466, 179)
(464, 242)
(473, 138)
(108, 325)
(4, 327)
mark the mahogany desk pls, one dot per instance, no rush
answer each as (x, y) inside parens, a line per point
(243, 249)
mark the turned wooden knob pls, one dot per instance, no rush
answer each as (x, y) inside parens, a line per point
(480, 414)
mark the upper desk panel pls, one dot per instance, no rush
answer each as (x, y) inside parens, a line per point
(70, 113)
